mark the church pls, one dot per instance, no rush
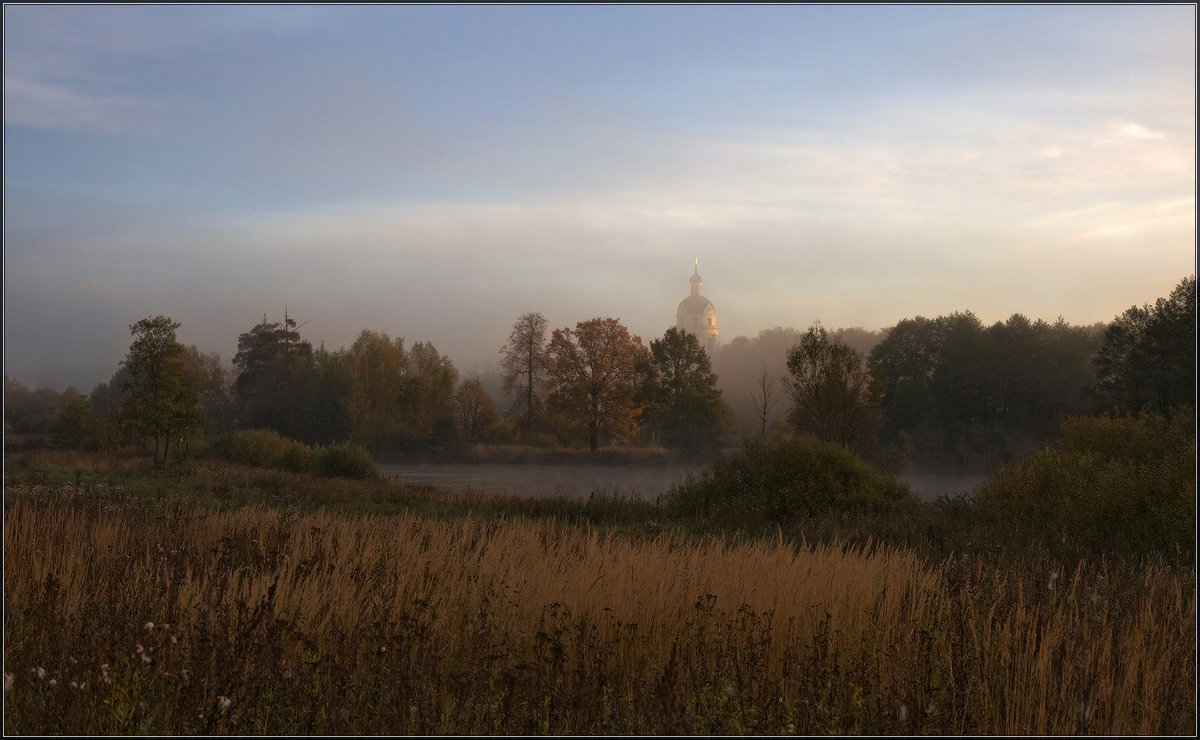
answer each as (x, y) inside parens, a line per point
(697, 315)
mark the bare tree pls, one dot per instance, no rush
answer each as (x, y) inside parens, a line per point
(764, 400)
(524, 366)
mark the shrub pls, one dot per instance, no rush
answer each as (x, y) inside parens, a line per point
(296, 457)
(1123, 482)
(345, 461)
(257, 447)
(789, 477)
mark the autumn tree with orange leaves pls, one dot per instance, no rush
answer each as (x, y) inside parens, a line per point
(595, 370)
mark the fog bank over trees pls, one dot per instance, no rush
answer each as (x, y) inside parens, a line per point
(947, 392)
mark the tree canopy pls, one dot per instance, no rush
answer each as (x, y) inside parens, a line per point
(1148, 358)
(836, 399)
(162, 398)
(523, 364)
(594, 374)
(682, 402)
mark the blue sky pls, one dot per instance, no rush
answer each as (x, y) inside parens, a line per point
(436, 171)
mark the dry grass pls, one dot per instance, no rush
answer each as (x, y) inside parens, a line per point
(254, 621)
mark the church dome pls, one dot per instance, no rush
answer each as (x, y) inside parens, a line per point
(697, 315)
(695, 304)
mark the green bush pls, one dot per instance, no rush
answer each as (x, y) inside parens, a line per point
(257, 447)
(296, 457)
(1125, 483)
(789, 477)
(345, 461)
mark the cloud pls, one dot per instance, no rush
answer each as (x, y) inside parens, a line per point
(62, 107)
(1136, 131)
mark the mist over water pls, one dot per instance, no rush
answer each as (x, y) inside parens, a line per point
(630, 481)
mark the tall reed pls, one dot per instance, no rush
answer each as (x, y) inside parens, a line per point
(255, 620)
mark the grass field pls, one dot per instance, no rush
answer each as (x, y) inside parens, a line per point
(224, 600)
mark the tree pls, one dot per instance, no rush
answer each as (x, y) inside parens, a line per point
(682, 402)
(836, 399)
(162, 400)
(476, 414)
(764, 398)
(378, 368)
(214, 387)
(524, 365)
(594, 374)
(275, 367)
(433, 378)
(1148, 357)
(78, 427)
(327, 413)
(904, 364)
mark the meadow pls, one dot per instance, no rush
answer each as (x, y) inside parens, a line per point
(222, 599)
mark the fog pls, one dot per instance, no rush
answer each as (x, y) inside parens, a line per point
(435, 172)
(581, 481)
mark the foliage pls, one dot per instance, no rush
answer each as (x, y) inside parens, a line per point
(1124, 483)
(1148, 358)
(275, 370)
(836, 399)
(966, 393)
(740, 362)
(432, 378)
(214, 389)
(681, 401)
(78, 427)
(377, 367)
(345, 461)
(524, 364)
(162, 400)
(475, 413)
(264, 448)
(327, 412)
(594, 373)
(34, 411)
(788, 477)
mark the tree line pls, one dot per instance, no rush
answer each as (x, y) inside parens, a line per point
(941, 390)
(591, 385)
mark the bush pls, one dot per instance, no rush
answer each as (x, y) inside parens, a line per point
(1124, 483)
(789, 477)
(257, 447)
(345, 461)
(296, 457)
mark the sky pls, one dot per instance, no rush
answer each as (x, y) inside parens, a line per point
(434, 172)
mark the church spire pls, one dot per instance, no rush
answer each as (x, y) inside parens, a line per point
(696, 280)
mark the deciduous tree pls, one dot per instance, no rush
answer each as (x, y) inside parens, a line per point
(524, 367)
(594, 373)
(433, 377)
(682, 402)
(476, 413)
(162, 400)
(835, 396)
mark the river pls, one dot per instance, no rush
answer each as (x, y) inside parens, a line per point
(580, 481)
